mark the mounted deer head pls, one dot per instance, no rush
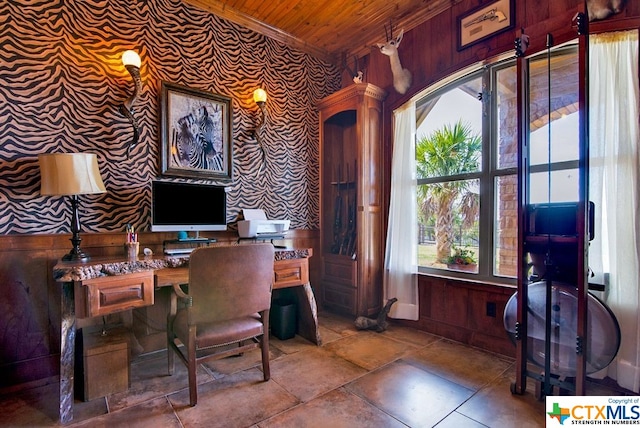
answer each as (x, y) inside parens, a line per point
(401, 76)
(356, 73)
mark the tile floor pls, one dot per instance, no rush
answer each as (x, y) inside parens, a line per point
(399, 378)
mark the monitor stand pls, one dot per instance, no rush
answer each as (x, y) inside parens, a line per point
(184, 236)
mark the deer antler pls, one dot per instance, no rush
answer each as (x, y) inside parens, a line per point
(358, 76)
(345, 65)
(389, 34)
(355, 73)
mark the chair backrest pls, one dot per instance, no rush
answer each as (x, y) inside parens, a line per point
(228, 282)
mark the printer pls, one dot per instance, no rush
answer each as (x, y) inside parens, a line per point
(255, 224)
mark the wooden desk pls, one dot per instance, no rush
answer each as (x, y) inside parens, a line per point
(108, 285)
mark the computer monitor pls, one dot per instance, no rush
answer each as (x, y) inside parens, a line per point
(177, 207)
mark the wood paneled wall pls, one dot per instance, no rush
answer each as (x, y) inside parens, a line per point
(464, 311)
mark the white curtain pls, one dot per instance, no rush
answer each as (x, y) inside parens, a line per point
(400, 280)
(614, 140)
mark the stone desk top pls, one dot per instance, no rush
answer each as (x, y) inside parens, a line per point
(98, 267)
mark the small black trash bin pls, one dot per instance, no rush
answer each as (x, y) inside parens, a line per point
(283, 318)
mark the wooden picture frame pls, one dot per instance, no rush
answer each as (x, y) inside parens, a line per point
(484, 22)
(195, 133)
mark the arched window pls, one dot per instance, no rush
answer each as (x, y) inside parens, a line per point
(466, 162)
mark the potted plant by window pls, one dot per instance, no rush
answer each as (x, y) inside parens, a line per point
(462, 259)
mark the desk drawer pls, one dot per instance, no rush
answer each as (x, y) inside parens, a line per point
(109, 294)
(290, 273)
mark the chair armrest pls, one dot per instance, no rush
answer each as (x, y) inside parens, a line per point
(177, 293)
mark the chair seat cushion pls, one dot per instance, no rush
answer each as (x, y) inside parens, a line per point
(219, 333)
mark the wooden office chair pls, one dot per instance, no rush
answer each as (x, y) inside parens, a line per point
(227, 307)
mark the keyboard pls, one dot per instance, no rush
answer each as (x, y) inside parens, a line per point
(178, 251)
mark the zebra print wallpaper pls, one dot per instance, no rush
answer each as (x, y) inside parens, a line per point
(62, 80)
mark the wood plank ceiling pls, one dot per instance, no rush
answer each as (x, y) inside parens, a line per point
(327, 29)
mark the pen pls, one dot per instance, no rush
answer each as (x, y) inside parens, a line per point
(131, 235)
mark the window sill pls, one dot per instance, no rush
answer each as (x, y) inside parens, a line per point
(508, 283)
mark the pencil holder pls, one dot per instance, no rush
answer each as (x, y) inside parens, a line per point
(131, 249)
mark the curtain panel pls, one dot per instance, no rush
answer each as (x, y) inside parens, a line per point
(614, 161)
(401, 257)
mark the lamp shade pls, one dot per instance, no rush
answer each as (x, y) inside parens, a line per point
(69, 174)
(260, 95)
(131, 58)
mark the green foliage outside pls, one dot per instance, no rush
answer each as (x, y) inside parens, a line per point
(449, 151)
(427, 255)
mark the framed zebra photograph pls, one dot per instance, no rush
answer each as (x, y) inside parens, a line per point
(195, 127)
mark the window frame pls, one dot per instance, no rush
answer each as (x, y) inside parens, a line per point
(484, 175)
(489, 171)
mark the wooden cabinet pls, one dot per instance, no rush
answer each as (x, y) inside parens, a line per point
(104, 368)
(351, 222)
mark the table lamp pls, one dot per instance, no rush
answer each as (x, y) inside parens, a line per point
(71, 174)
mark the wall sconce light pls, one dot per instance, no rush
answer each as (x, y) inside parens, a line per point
(71, 174)
(260, 98)
(131, 61)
